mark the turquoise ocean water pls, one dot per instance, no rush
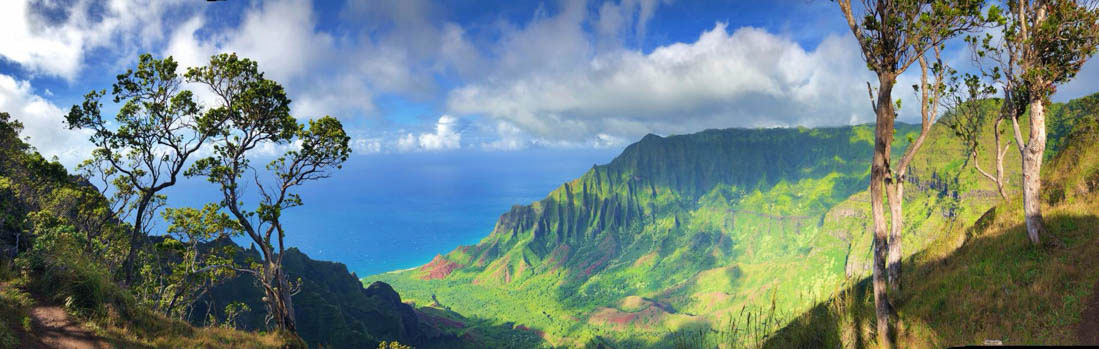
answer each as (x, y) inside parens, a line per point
(384, 212)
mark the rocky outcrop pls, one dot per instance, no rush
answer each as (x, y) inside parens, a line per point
(333, 309)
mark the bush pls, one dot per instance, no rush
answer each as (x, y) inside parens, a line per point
(63, 274)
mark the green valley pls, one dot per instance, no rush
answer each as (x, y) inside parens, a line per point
(605, 174)
(701, 230)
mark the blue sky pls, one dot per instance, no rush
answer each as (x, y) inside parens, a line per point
(452, 76)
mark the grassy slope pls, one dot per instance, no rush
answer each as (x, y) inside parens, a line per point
(114, 319)
(39, 201)
(984, 280)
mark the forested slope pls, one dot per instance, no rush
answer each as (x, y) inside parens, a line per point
(60, 240)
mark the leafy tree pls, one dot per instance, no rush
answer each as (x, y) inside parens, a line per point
(258, 113)
(194, 271)
(968, 115)
(155, 132)
(1043, 43)
(892, 35)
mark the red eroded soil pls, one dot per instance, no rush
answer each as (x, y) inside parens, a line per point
(439, 268)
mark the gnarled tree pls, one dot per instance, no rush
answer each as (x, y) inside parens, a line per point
(258, 114)
(157, 129)
(892, 35)
(967, 103)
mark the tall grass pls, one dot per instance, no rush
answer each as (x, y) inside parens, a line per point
(836, 322)
(57, 273)
(746, 328)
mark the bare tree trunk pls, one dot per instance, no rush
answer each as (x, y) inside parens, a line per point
(1000, 152)
(278, 297)
(1032, 168)
(929, 106)
(879, 177)
(128, 265)
(288, 305)
(895, 194)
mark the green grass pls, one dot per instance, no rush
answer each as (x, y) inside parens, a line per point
(995, 285)
(983, 279)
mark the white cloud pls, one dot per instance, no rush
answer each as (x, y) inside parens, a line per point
(366, 145)
(390, 47)
(52, 38)
(185, 48)
(509, 137)
(564, 79)
(43, 123)
(614, 20)
(746, 78)
(446, 137)
(281, 37)
(407, 143)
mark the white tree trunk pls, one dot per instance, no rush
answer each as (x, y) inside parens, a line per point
(1032, 169)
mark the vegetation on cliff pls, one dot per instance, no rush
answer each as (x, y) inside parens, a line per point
(697, 231)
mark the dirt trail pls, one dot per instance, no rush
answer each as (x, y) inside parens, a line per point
(54, 329)
(1088, 329)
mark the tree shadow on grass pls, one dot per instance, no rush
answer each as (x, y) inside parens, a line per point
(996, 285)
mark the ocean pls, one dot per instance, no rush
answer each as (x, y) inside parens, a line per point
(385, 212)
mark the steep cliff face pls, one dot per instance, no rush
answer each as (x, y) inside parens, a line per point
(333, 308)
(659, 187)
(697, 222)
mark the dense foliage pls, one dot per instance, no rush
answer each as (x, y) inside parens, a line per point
(61, 241)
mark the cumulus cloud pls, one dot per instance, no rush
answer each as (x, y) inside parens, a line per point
(366, 145)
(281, 37)
(446, 137)
(389, 47)
(509, 137)
(744, 78)
(52, 37)
(43, 123)
(572, 78)
(626, 18)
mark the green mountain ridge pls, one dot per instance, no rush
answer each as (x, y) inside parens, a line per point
(685, 231)
(334, 309)
(654, 239)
